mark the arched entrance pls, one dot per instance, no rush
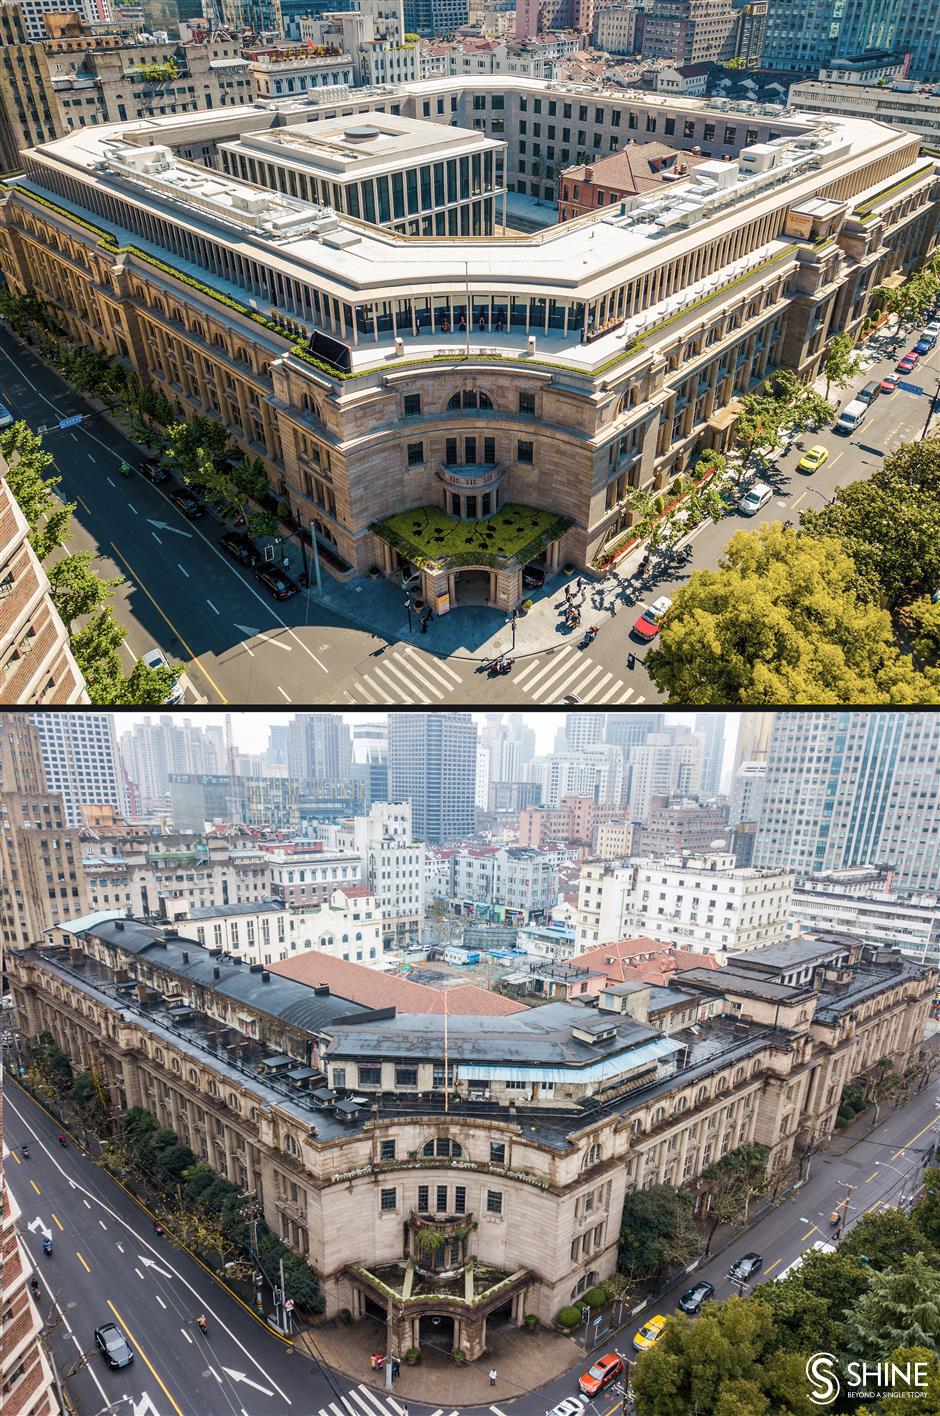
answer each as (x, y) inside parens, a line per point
(472, 587)
(437, 1332)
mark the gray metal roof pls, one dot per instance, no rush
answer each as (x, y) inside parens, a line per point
(728, 980)
(295, 1003)
(792, 952)
(248, 907)
(598, 1071)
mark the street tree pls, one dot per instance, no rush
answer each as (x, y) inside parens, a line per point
(841, 363)
(76, 589)
(781, 621)
(926, 1213)
(927, 1398)
(920, 622)
(885, 1238)
(27, 460)
(727, 1186)
(235, 490)
(657, 1231)
(901, 1308)
(890, 525)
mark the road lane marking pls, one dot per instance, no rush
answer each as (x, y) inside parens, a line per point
(280, 690)
(58, 1221)
(86, 1204)
(810, 1231)
(795, 504)
(871, 1176)
(186, 1335)
(133, 508)
(914, 1138)
(159, 1300)
(16, 1158)
(211, 606)
(156, 537)
(194, 657)
(113, 484)
(772, 1267)
(138, 1272)
(35, 1187)
(82, 1262)
(119, 1245)
(183, 569)
(143, 1354)
(102, 1223)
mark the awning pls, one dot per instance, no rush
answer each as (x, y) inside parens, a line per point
(273, 1064)
(725, 416)
(300, 1074)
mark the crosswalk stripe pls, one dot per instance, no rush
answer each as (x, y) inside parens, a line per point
(599, 685)
(438, 1412)
(527, 669)
(375, 1406)
(442, 672)
(497, 1411)
(391, 684)
(553, 663)
(629, 694)
(574, 684)
(351, 1409)
(364, 1407)
(556, 670)
(336, 1411)
(641, 700)
(580, 684)
(362, 690)
(409, 682)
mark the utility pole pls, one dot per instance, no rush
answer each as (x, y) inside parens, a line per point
(931, 411)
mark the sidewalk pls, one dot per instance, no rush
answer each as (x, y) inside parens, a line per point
(523, 1360)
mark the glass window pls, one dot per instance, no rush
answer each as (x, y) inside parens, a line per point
(494, 1201)
(412, 404)
(387, 1150)
(527, 403)
(497, 1153)
(406, 1076)
(525, 451)
(415, 454)
(450, 452)
(440, 1201)
(387, 1200)
(385, 213)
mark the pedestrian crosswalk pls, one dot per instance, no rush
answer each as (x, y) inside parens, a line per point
(571, 671)
(363, 1401)
(403, 675)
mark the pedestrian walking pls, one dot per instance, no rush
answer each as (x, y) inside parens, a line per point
(579, 583)
(568, 594)
(492, 1376)
(834, 1219)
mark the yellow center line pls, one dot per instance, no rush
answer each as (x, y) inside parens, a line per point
(193, 656)
(914, 1138)
(871, 1176)
(835, 458)
(799, 499)
(35, 1187)
(16, 1157)
(82, 1262)
(772, 1266)
(58, 1221)
(809, 1232)
(145, 1357)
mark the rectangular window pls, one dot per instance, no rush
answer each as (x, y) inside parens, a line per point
(440, 1203)
(527, 403)
(415, 454)
(370, 1076)
(525, 452)
(422, 1205)
(387, 1200)
(450, 452)
(386, 1150)
(460, 1200)
(497, 1153)
(489, 451)
(406, 1076)
(412, 404)
(494, 1201)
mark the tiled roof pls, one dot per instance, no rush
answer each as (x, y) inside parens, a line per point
(355, 892)
(639, 167)
(622, 959)
(384, 990)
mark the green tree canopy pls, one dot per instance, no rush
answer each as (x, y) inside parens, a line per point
(76, 589)
(781, 621)
(901, 1308)
(885, 1238)
(841, 362)
(657, 1231)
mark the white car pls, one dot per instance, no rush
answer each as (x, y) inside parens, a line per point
(156, 659)
(933, 328)
(6, 417)
(755, 497)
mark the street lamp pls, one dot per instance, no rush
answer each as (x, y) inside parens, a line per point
(512, 620)
(408, 607)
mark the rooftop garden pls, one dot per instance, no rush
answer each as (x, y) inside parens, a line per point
(427, 536)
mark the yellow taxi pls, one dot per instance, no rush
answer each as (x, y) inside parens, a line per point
(813, 458)
(650, 1334)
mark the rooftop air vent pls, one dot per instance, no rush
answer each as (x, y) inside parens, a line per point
(362, 133)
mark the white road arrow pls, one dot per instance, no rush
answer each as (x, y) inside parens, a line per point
(144, 1407)
(37, 1223)
(250, 633)
(152, 1263)
(162, 526)
(240, 1377)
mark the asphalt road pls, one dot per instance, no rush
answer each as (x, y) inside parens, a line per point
(108, 1265)
(240, 647)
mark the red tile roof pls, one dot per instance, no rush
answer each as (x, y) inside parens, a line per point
(383, 990)
(353, 892)
(622, 957)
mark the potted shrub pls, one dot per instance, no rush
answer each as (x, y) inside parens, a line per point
(413, 1356)
(459, 1355)
(568, 568)
(374, 572)
(568, 1317)
(531, 1321)
(345, 1314)
(594, 1297)
(525, 606)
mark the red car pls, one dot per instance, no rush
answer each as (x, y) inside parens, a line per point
(889, 383)
(605, 1370)
(909, 363)
(647, 625)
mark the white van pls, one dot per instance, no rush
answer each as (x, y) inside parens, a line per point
(755, 497)
(851, 417)
(821, 1247)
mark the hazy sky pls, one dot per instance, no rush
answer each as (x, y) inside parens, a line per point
(251, 728)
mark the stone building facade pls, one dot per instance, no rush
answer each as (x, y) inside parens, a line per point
(520, 1185)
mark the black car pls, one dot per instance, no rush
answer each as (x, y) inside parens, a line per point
(280, 585)
(693, 1298)
(745, 1268)
(240, 547)
(187, 503)
(115, 1348)
(533, 576)
(152, 468)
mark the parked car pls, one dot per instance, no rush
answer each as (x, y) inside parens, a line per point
(870, 392)
(533, 577)
(6, 417)
(852, 417)
(744, 1269)
(649, 1334)
(153, 469)
(114, 1346)
(693, 1298)
(646, 626)
(604, 1371)
(571, 699)
(240, 547)
(185, 501)
(569, 1407)
(925, 343)
(813, 459)
(280, 585)
(932, 328)
(909, 363)
(890, 382)
(156, 659)
(754, 498)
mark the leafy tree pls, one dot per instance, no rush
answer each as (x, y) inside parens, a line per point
(657, 1231)
(841, 363)
(885, 1238)
(727, 1361)
(900, 1309)
(921, 624)
(148, 688)
(47, 518)
(49, 1068)
(728, 1185)
(76, 589)
(927, 1404)
(781, 621)
(95, 647)
(926, 1213)
(890, 524)
(235, 490)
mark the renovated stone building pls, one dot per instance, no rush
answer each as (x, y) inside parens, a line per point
(468, 1170)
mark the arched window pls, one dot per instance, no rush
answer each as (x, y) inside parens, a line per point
(470, 398)
(701, 1095)
(290, 1144)
(659, 1115)
(443, 1147)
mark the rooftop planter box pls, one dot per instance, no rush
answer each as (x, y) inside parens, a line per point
(428, 537)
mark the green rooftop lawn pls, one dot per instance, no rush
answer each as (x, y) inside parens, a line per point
(426, 534)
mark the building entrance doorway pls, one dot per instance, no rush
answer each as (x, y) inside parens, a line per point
(437, 1333)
